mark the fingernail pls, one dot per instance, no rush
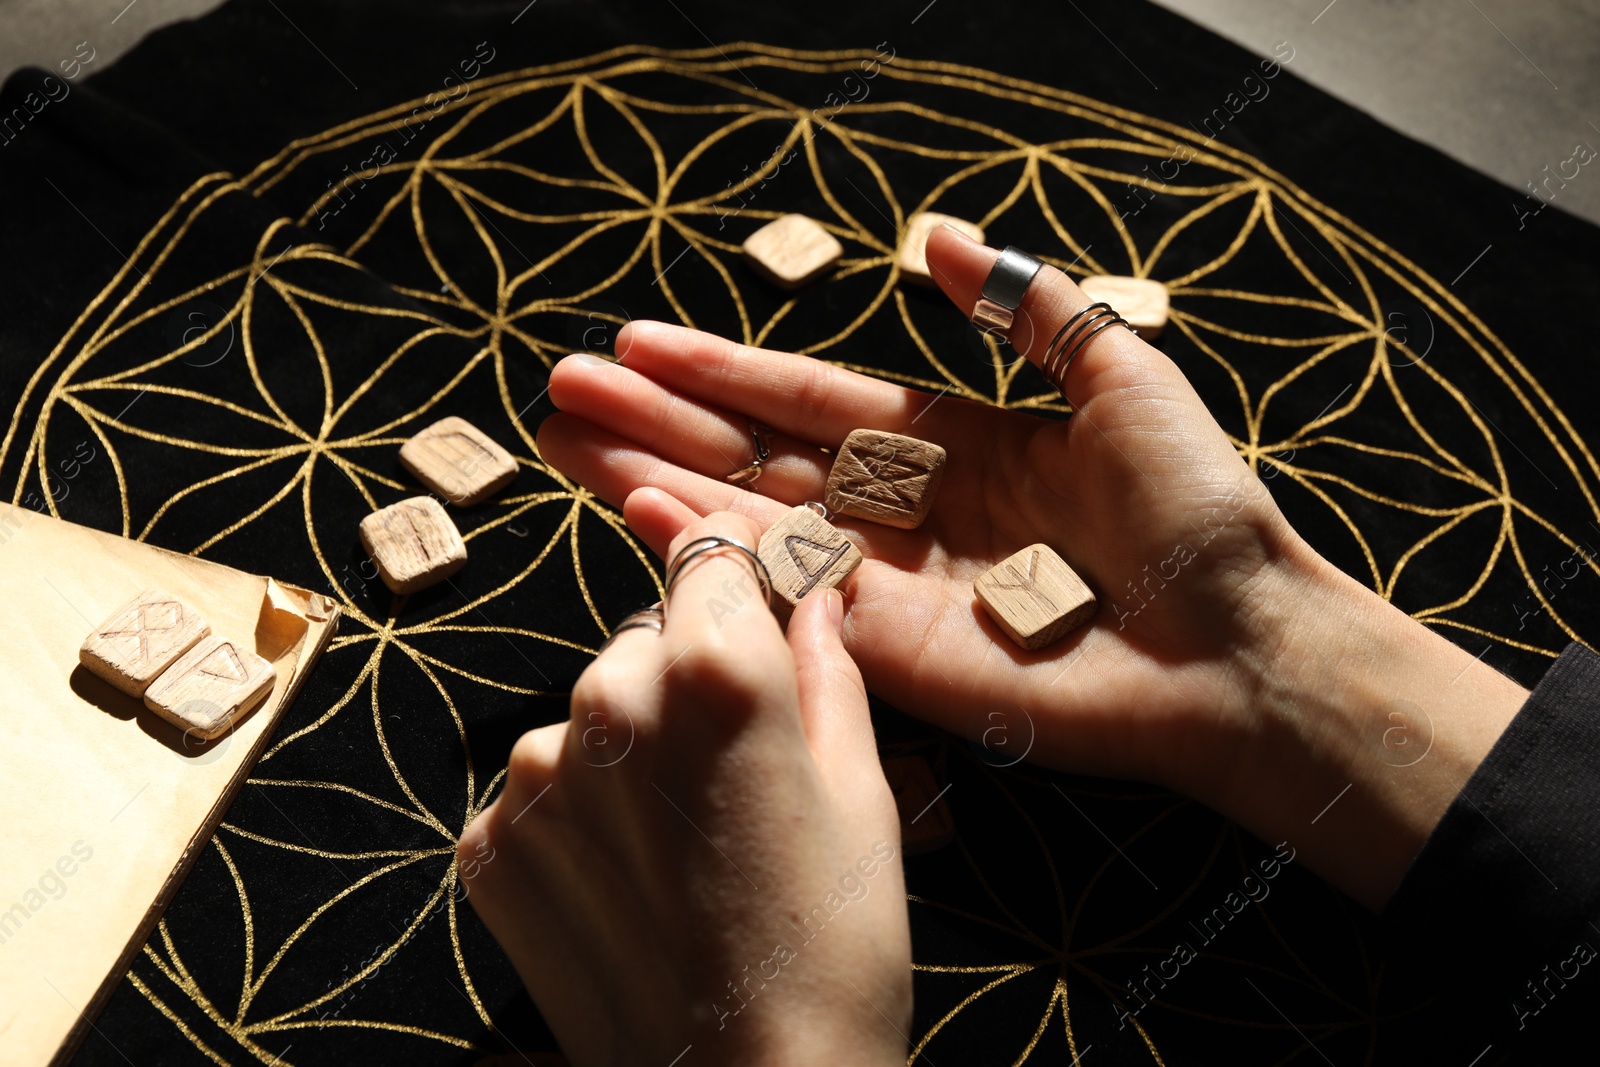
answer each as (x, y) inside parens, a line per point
(587, 359)
(835, 606)
(958, 233)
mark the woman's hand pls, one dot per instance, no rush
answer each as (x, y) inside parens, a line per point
(1222, 657)
(1140, 491)
(702, 866)
(1138, 472)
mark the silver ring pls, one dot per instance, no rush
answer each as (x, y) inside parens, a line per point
(1071, 339)
(747, 475)
(711, 543)
(1003, 289)
(653, 617)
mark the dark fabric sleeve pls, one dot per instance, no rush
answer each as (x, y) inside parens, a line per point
(1510, 878)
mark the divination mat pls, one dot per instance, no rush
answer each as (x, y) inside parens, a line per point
(281, 277)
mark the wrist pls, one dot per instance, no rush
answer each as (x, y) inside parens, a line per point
(1364, 726)
(826, 1038)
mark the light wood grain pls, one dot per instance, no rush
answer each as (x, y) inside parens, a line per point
(792, 251)
(886, 478)
(925, 822)
(913, 255)
(1035, 597)
(94, 785)
(1144, 303)
(210, 687)
(413, 543)
(458, 461)
(804, 553)
(141, 639)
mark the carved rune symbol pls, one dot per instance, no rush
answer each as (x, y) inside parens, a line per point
(830, 557)
(1028, 584)
(890, 480)
(420, 522)
(223, 663)
(159, 617)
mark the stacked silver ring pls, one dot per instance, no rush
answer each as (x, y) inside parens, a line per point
(654, 617)
(712, 543)
(1071, 339)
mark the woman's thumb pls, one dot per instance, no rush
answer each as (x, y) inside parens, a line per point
(833, 699)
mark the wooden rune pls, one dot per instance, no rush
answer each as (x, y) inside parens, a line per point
(1035, 597)
(804, 552)
(886, 478)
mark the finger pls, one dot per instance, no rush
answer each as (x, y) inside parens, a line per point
(634, 634)
(797, 395)
(716, 599)
(529, 771)
(1114, 358)
(613, 701)
(611, 467)
(729, 678)
(695, 435)
(833, 698)
(656, 516)
(1131, 387)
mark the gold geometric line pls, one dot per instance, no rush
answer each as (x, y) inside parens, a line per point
(364, 1024)
(183, 1027)
(349, 694)
(461, 965)
(340, 787)
(394, 767)
(1550, 653)
(939, 1024)
(204, 483)
(384, 853)
(249, 927)
(310, 921)
(1226, 256)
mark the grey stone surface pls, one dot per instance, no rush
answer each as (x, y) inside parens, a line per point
(1506, 86)
(43, 33)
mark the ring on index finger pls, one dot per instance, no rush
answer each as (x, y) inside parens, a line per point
(701, 546)
(653, 617)
(747, 475)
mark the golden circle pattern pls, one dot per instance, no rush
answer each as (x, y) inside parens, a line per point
(523, 220)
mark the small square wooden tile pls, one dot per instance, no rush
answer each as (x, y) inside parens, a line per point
(413, 543)
(792, 251)
(914, 242)
(925, 822)
(1035, 597)
(141, 639)
(1144, 303)
(210, 687)
(804, 552)
(886, 478)
(458, 461)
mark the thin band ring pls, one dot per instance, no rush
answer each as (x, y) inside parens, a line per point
(1072, 338)
(712, 543)
(653, 617)
(747, 475)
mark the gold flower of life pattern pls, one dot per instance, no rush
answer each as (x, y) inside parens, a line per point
(445, 252)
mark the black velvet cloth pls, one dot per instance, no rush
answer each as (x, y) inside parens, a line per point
(1401, 347)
